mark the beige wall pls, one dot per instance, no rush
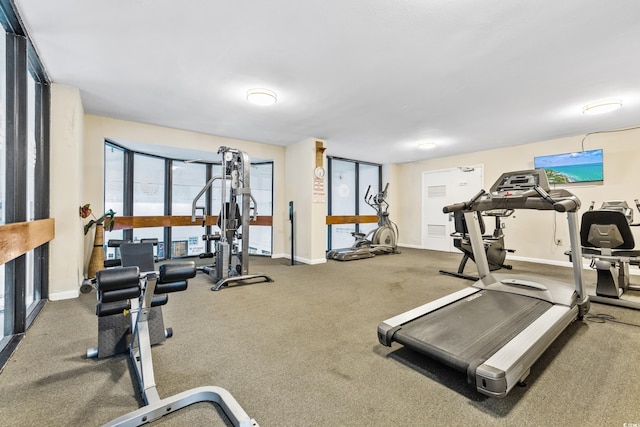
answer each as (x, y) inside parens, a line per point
(531, 233)
(77, 170)
(77, 162)
(97, 129)
(310, 216)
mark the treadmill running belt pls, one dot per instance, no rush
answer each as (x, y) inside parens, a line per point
(466, 333)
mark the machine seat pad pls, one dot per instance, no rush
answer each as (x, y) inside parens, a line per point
(111, 308)
(177, 272)
(118, 278)
(159, 300)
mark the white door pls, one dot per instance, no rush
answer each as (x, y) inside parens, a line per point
(441, 188)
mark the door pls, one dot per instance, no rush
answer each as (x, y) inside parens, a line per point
(441, 188)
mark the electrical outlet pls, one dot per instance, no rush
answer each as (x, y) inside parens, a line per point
(558, 242)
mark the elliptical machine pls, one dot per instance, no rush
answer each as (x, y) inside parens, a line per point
(239, 207)
(379, 241)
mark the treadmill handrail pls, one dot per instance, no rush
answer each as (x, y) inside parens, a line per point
(464, 205)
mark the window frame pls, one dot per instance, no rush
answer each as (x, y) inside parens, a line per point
(21, 61)
(357, 196)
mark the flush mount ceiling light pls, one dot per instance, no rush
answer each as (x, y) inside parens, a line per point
(603, 106)
(429, 145)
(261, 96)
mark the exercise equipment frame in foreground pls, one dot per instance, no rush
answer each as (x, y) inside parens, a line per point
(496, 329)
(125, 292)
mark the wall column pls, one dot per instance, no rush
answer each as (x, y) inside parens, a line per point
(309, 196)
(66, 251)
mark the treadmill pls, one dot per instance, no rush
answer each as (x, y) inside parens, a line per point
(498, 327)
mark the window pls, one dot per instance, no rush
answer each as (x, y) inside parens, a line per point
(349, 181)
(113, 191)
(3, 173)
(368, 179)
(24, 169)
(260, 238)
(342, 201)
(188, 179)
(149, 197)
(31, 294)
(139, 184)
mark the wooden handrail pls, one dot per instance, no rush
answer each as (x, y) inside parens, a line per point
(351, 219)
(18, 238)
(128, 222)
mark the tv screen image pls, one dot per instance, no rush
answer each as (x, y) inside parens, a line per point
(581, 166)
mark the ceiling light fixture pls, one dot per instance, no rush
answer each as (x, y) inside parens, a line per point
(600, 107)
(427, 145)
(261, 96)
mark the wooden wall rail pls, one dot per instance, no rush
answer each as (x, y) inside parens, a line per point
(18, 238)
(351, 219)
(128, 222)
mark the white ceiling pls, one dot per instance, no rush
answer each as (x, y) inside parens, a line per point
(372, 78)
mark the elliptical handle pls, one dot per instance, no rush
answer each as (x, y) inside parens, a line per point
(367, 193)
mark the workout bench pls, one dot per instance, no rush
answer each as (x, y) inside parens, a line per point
(129, 303)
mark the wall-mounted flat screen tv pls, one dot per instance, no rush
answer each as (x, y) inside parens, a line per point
(581, 166)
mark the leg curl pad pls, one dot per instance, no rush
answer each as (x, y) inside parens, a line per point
(118, 278)
(118, 285)
(177, 272)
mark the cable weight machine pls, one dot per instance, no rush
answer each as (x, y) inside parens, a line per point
(238, 209)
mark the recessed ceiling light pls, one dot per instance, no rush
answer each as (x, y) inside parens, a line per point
(603, 106)
(427, 145)
(261, 96)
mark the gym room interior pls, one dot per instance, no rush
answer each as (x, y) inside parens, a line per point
(387, 94)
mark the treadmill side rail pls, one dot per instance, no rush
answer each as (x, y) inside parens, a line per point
(511, 364)
(387, 328)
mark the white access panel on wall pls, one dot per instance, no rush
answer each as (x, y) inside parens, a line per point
(440, 188)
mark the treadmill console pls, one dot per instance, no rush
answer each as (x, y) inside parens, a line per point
(516, 183)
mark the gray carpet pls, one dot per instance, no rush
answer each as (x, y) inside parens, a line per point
(302, 351)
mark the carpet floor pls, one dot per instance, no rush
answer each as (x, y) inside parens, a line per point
(303, 351)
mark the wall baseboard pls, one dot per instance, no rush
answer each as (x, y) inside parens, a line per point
(543, 261)
(280, 256)
(311, 261)
(586, 264)
(57, 296)
(406, 245)
(301, 259)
